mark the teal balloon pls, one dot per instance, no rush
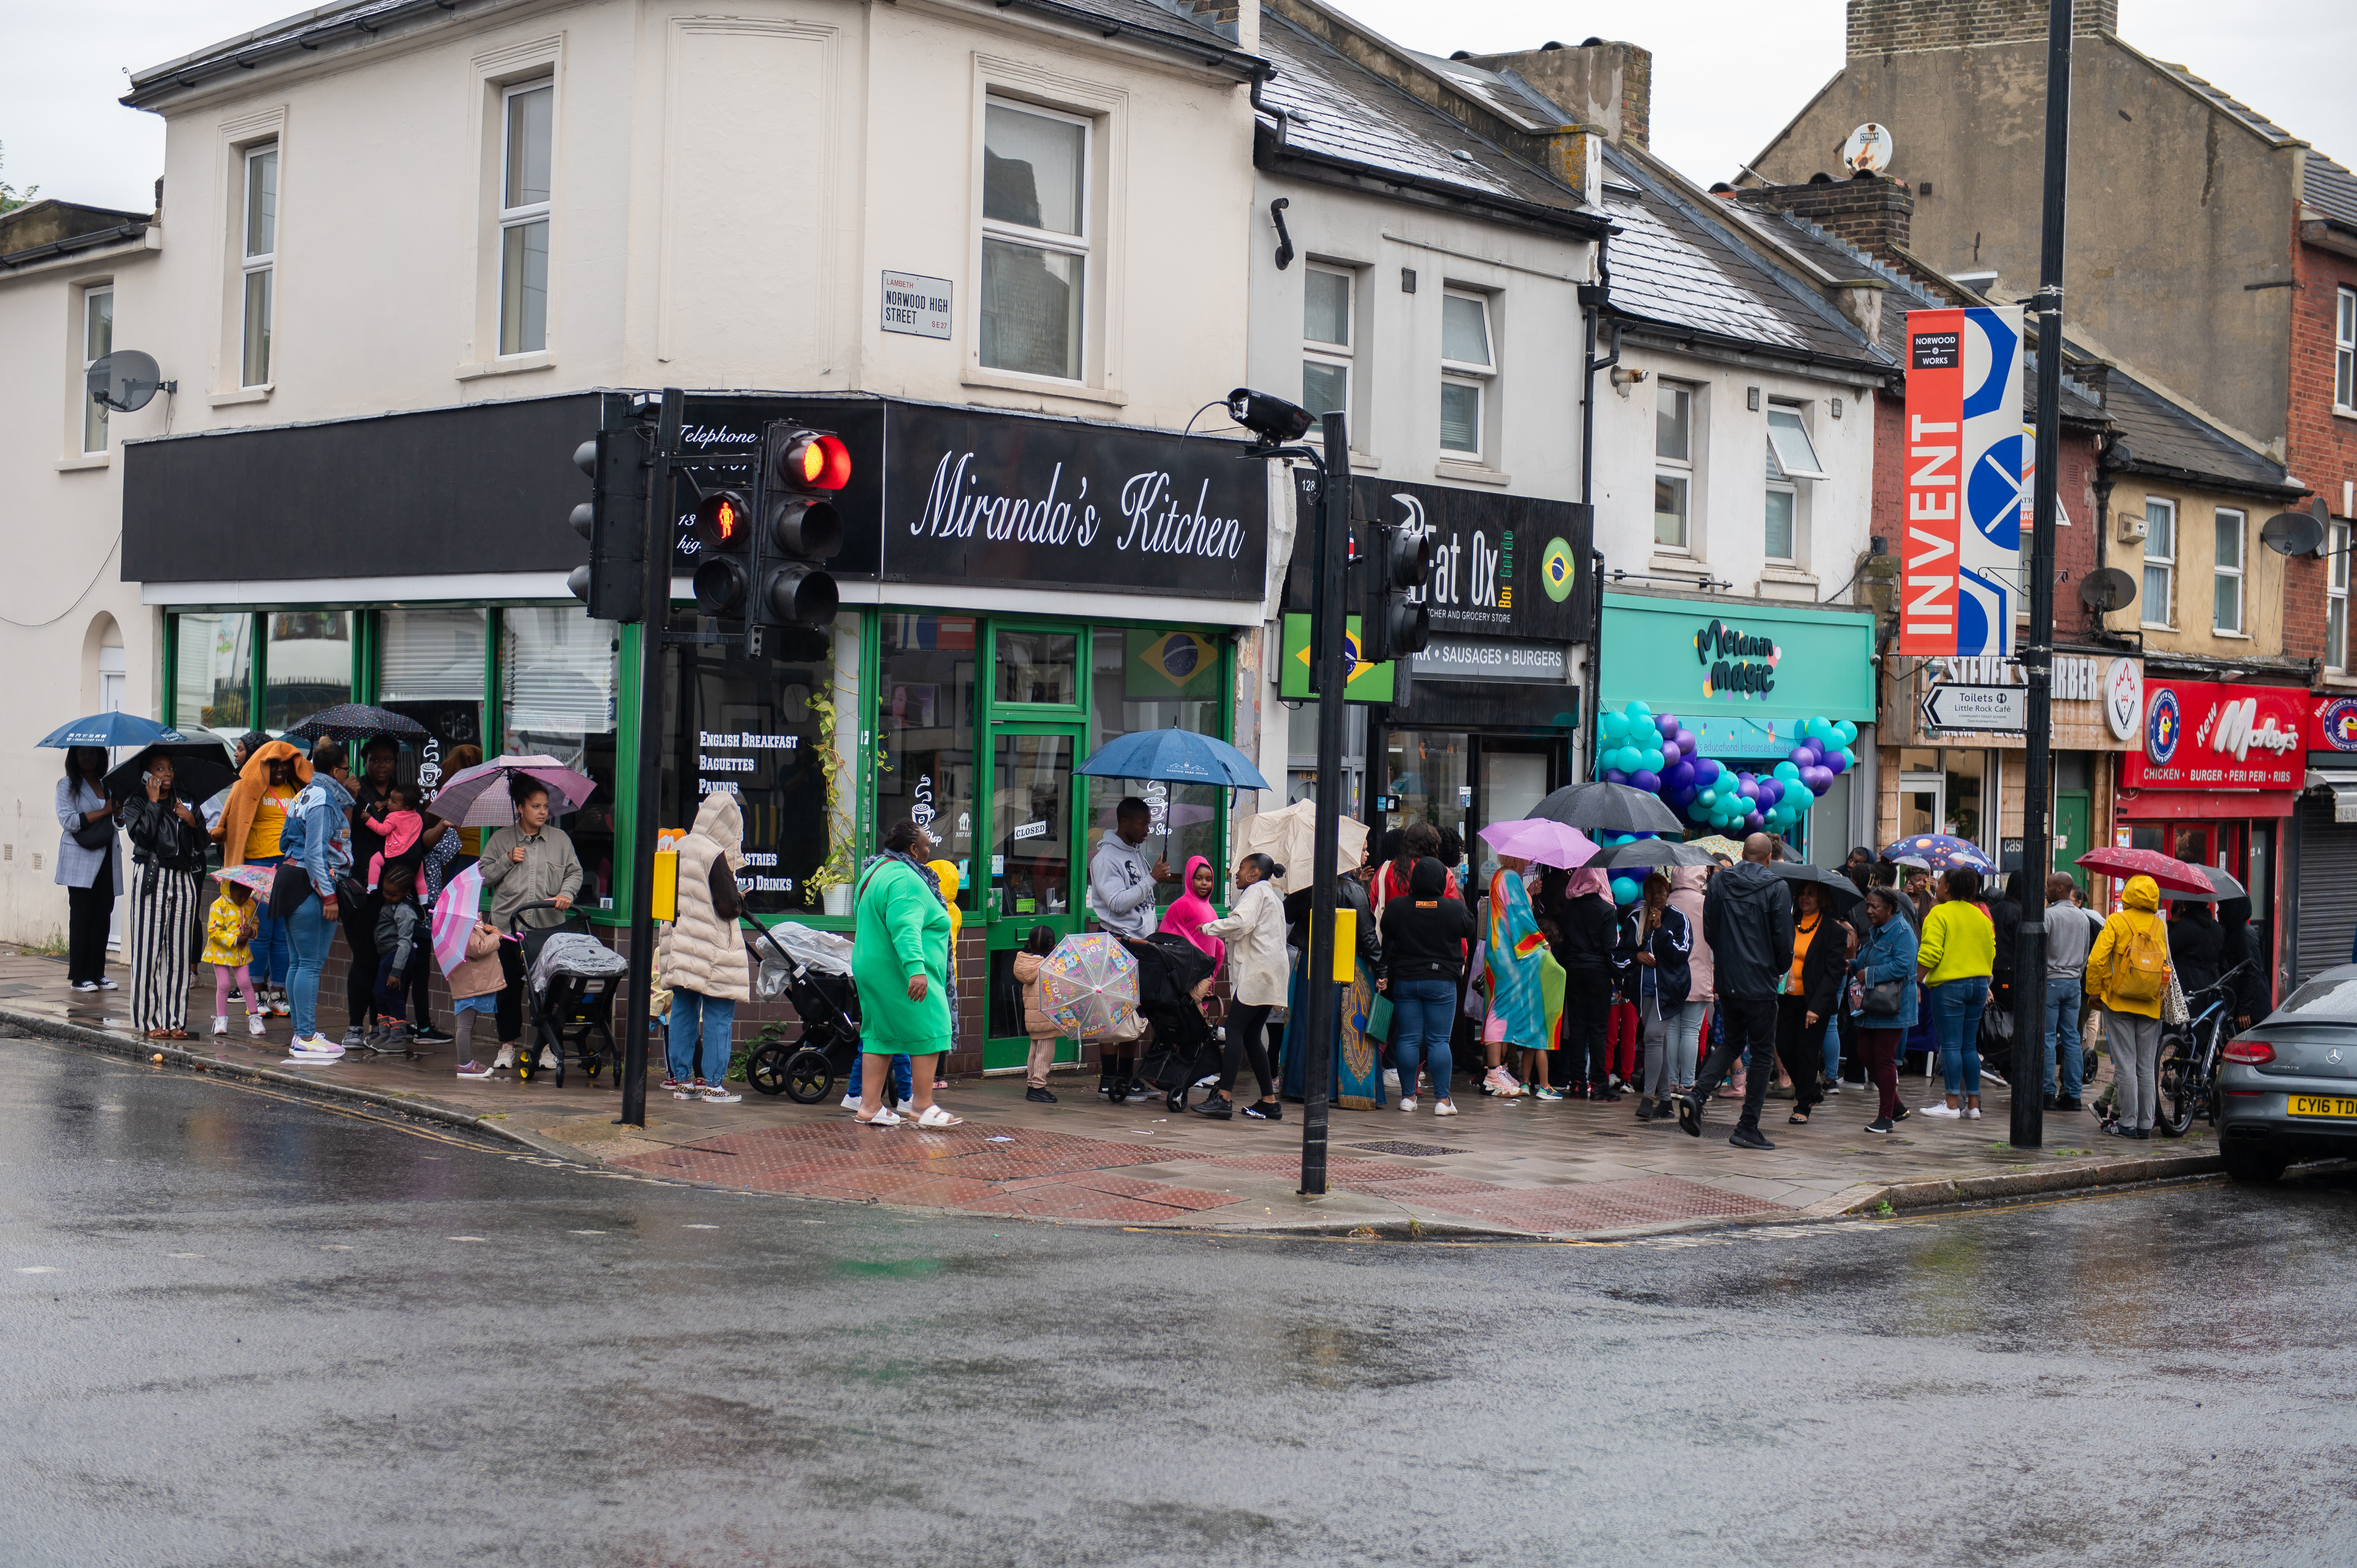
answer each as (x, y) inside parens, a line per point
(1707, 800)
(1635, 710)
(1788, 771)
(1847, 732)
(1615, 727)
(1653, 759)
(1625, 891)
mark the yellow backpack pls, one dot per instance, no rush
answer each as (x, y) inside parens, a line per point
(2140, 963)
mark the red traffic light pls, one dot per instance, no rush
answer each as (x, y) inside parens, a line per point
(723, 524)
(810, 461)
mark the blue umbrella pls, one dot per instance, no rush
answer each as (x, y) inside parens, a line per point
(1939, 851)
(1180, 756)
(110, 729)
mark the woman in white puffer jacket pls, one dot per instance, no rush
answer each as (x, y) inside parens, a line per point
(703, 954)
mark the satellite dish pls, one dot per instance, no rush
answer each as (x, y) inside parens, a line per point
(2106, 589)
(1868, 151)
(2296, 533)
(126, 380)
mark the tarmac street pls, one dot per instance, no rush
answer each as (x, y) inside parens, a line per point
(254, 1328)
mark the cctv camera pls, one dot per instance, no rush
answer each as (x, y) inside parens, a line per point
(1273, 419)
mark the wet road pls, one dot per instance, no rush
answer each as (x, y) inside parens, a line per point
(249, 1330)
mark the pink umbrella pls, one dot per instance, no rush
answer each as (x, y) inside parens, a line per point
(478, 797)
(1541, 841)
(257, 877)
(455, 914)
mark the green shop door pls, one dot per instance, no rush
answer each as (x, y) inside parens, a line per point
(1034, 867)
(2072, 813)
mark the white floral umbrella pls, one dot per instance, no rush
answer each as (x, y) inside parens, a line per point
(1088, 986)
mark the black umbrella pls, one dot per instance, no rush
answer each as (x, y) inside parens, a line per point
(1838, 892)
(356, 721)
(1605, 808)
(2222, 886)
(198, 772)
(1649, 853)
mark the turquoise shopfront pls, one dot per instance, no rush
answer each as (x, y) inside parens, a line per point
(1744, 676)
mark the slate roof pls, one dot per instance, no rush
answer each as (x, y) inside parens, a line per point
(1675, 263)
(2161, 434)
(1337, 110)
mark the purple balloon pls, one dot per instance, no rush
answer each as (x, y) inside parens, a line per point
(1748, 787)
(1834, 765)
(1667, 723)
(1681, 775)
(1614, 776)
(1687, 742)
(1645, 779)
(1799, 756)
(1754, 822)
(1706, 769)
(1670, 753)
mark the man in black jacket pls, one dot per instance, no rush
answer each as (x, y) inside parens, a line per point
(1747, 919)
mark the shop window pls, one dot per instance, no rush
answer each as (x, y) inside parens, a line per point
(1672, 464)
(1429, 773)
(558, 686)
(2344, 353)
(1034, 246)
(1467, 373)
(259, 254)
(430, 668)
(213, 676)
(528, 147)
(307, 665)
(1301, 756)
(1945, 793)
(2160, 562)
(1038, 667)
(2226, 590)
(1143, 678)
(924, 734)
(1325, 340)
(2335, 596)
(97, 343)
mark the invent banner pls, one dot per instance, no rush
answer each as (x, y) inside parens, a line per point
(1966, 466)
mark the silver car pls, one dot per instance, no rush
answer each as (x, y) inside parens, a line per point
(2287, 1087)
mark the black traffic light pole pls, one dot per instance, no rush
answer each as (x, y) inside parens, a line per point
(656, 603)
(2026, 1071)
(1331, 544)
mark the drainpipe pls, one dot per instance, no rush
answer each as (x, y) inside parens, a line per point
(1594, 297)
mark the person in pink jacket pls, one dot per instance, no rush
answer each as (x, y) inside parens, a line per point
(1191, 909)
(1686, 883)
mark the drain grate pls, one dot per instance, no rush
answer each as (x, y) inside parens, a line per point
(1394, 1146)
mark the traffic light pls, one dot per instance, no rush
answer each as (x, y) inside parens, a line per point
(800, 530)
(614, 521)
(1396, 623)
(723, 553)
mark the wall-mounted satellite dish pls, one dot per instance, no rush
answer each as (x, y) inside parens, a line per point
(126, 380)
(1868, 151)
(2296, 533)
(2106, 589)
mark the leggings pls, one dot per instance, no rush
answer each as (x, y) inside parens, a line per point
(1882, 1066)
(222, 974)
(1247, 1041)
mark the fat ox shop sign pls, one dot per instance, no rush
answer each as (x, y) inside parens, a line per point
(955, 495)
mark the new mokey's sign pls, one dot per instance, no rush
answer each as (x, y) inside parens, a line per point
(2204, 734)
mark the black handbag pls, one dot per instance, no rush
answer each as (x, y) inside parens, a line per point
(288, 889)
(95, 835)
(1883, 999)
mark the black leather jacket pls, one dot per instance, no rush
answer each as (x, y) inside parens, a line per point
(159, 836)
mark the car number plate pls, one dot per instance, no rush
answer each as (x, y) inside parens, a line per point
(2318, 1105)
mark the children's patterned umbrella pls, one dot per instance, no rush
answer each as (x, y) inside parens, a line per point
(1939, 851)
(257, 877)
(1088, 986)
(453, 917)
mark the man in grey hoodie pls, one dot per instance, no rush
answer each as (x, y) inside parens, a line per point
(1121, 878)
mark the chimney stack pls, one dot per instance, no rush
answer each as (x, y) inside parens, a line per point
(1908, 27)
(1600, 84)
(1868, 211)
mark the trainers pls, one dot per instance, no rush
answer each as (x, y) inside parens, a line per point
(1879, 1124)
(85, 985)
(1219, 1108)
(473, 1070)
(1407, 1106)
(1037, 1096)
(850, 1101)
(319, 1048)
(1689, 1115)
(547, 1059)
(353, 1039)
(1945, 1111)
(254, 1024)
(671, 1082)
(1972, 1112)
(1444, 1108)
(221, 1023)
(1501, 1082)
(720, 1095)
(279, 1007)
(1544, 1092)
(1749, 1138)
(506, 1058)
(428, 1034)
(106, 982)
(1995, 1076)
(1264, 1110)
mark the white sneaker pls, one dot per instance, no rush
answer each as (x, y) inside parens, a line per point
(851, 1102)
(1407, 1107)
(1501, 1082)
(1972, 1112)
(254, 1024)
(319, 1050)
(547, 1059)
(1445, 1108)
(1945, 1111)
(221, 1023)
(506, 1058)
(106, 982)
(720, 1095)
(1391, 1079)
(1994, 1077)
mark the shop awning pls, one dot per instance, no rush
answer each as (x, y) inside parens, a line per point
(2343, 785)
(2203, 805)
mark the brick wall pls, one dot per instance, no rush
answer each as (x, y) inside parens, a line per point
(1897, 27)
(1872, 212)
(2322, 447)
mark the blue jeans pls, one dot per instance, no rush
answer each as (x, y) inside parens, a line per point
(272, 952)
(1956, 1007)
(696, 1017)
(308, 932)
(903, 1079)
(1833, 1047)
(2062, 1001)
(1423, 1013)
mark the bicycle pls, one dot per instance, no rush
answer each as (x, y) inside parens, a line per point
(2188, 1074)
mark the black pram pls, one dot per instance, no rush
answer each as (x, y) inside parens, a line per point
(570, 978)
(1183, 1049)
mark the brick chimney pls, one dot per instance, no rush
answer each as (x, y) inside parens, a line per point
(1908, 27)
(1868, 211)
(1600, 84)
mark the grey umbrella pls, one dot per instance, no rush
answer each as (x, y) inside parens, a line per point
(1609, 808)
(2222, 886)
(1645, 853)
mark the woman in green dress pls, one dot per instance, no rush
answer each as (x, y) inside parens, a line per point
(899, 963)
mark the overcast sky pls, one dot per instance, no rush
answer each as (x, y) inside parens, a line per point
(1727, 74)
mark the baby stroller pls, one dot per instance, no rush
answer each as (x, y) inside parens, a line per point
(570, 978)
(812, 970)
(1183, 1050)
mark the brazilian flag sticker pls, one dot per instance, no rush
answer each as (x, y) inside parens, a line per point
(1556, 570)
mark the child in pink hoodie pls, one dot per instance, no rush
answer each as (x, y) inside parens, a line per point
(401, 825)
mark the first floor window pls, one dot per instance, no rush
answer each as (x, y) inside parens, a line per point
(260, 252)
(1670, 510)
(1460, 417)
(1781, 499)
(2336, 602)
(2159, 561)
(2226, 595)
(97, 343)
(528, 161)
(1036, 238)
(2344, 350)
(1466, 365)
(1325, 340)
